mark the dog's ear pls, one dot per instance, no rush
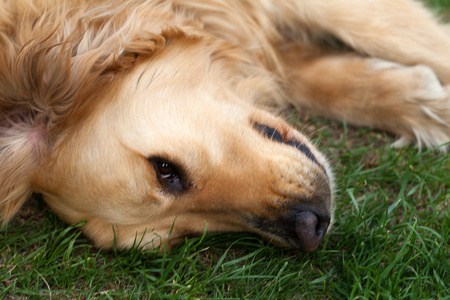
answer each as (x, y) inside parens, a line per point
(52, 75)
(23, 146)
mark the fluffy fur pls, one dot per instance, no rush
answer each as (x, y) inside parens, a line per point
(100, 100)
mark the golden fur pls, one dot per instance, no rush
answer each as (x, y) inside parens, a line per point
(150, 118)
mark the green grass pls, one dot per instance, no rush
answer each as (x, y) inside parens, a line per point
(438, 4)
(390, 241)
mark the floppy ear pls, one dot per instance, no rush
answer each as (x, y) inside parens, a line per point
(23, 145)
(51, 76)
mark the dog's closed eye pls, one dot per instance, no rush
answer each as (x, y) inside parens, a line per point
(275, 135)
(269, 132)
(169, 175)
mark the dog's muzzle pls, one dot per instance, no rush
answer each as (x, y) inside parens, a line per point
(302, 219)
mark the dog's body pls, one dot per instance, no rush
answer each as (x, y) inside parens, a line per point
(149, 117)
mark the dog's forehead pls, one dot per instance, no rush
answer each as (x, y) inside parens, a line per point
(162, 109)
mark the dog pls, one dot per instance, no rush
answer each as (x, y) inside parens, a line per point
(154, 120)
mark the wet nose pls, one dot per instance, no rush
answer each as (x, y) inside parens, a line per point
(311, 229)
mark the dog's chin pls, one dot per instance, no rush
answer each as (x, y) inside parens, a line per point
(275, 240)
(291, 244)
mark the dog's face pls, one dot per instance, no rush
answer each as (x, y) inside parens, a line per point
(174, 148)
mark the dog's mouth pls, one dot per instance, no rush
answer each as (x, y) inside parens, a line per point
(302, 228)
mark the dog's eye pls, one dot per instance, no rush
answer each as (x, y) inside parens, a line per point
(168, 174)
(166, 171)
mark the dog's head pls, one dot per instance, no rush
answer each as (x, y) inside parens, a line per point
(169, 145)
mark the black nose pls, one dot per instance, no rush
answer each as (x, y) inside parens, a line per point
(310, 229)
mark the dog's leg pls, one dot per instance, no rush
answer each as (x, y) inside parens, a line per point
(407, 101)
(401, 31)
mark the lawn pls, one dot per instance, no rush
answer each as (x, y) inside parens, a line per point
(390, 240)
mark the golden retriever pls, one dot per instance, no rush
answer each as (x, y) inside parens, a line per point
(152, 119)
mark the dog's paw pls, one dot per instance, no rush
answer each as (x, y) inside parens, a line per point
(427, 111)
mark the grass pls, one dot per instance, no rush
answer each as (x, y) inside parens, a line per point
(390, 241)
